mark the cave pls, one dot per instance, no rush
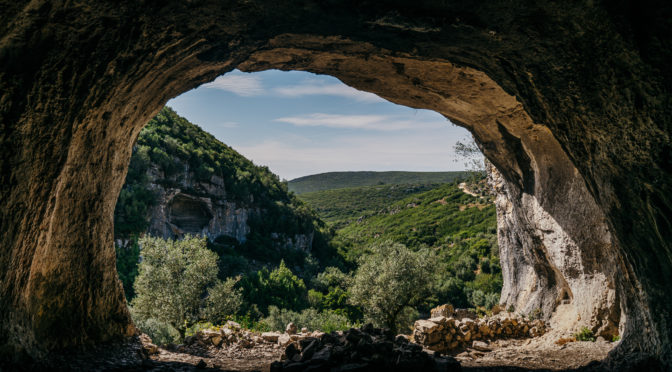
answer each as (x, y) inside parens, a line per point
(189, 214)
(571, 102)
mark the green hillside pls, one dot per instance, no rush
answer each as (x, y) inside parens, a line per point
(339, 180)
(460, 228)
(173, 149)
(339, 207)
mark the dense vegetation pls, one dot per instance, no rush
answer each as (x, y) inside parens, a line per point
(388, 252)
(340, 207)
(459, 228)
(170, 148)
(339, 180)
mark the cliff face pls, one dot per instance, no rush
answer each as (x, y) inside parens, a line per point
(568, 99)
(178, 186)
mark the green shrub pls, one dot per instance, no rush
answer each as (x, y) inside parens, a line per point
(491, 299)
(248, 322)
(280, 288)
(198, 327)
(478, 298)
(585, 334)
(161, 333)
(389, 280)
(325, 321)
(171, 281)
(223, 300)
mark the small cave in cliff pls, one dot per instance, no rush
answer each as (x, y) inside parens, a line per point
(189, 213)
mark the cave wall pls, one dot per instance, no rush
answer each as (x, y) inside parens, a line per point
(571, 103)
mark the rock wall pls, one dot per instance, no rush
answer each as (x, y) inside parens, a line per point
(557, 259)
(567, 99)
(195, 207)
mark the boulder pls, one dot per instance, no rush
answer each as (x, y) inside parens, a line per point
(291, 328)
(270, 336)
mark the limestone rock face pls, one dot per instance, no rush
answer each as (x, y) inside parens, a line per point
(570, 102)
(204, 211)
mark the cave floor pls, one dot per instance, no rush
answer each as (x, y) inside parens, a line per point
(536, 354)
(539, 354)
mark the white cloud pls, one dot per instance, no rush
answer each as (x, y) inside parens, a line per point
(242, 85)
(370, 122)
(310, 88)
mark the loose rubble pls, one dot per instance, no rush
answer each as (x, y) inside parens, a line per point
(362, 349)
(444, 332)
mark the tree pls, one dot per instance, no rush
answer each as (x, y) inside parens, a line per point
(279, 287)
(173, 277)
(391, 280)
(469, 152)
(223, 299)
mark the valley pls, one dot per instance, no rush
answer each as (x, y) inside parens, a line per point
(293, 258)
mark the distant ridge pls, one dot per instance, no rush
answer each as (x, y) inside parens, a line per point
(339, 180)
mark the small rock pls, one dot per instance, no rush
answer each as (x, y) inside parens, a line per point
(481, 346)
(284, 339)
(304, 330)
(291, 328)
(233, 325)
(151, 349)
(270, 336)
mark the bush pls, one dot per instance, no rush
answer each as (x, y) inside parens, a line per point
(172, 277)
(280, 288)
(389, 280)
(491, 299)
(325, 321)
(223, 300)
(585, 334)
(478, 298)
(161, 333)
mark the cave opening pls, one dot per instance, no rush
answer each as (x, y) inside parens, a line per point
(576, 97)
(538, 267)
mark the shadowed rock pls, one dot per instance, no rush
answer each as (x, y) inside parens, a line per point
(570, 102)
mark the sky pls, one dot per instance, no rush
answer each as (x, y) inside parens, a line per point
(299, 123)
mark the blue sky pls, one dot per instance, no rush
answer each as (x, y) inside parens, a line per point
(298, 123)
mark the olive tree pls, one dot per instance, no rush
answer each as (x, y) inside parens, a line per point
(390, 281)
(177, 283)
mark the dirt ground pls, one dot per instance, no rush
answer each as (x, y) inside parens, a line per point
(507, 355)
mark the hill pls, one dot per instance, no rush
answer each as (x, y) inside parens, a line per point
(339, 207)
(461, 229)
(339, 180)
(182, 180)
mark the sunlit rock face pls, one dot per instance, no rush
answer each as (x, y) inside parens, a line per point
(570, 101)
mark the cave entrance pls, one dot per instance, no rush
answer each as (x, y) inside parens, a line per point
(540, 265)
(567, 104)
(189, 214)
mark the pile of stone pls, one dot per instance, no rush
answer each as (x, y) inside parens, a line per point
(362, 349)
(232, 335)
(445, 331)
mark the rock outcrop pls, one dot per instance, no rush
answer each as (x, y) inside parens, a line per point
(570, 102)
(184, 181)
